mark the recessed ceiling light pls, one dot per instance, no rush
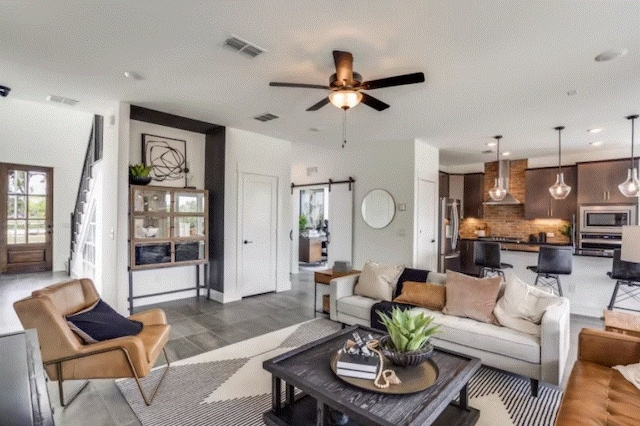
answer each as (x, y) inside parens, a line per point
(491, 144)
(611, 54)
(596, 143)
(572, 92)
(506, 154)
(132, 75)
(315, 129)
(595, 130)
(487, 151)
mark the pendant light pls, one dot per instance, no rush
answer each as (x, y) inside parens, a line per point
(498, 192)
(631, 186)
(559, 190)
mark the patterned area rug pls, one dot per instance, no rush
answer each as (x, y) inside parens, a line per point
(228, 386)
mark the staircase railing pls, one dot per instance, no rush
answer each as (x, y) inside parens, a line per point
(93, 154)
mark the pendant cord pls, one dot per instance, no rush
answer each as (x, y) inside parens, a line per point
(632, 128)
(559, 151)
(344, 128)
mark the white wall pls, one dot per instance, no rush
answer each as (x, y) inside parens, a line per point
(161, 279)
(39, 134)
(388, 165)
(253, 153)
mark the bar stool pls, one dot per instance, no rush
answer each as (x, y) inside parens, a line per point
(627, 275)
(552, 262)
(486, 254)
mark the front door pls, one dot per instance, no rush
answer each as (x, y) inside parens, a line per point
(26, 212)
(426, 250)
(258, 227)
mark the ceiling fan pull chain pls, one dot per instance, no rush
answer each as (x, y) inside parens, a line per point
(344, 129)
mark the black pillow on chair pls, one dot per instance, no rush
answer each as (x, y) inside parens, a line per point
(102, 322)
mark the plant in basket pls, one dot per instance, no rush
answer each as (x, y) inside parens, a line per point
(407, 343)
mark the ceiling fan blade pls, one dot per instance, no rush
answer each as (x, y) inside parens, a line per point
(319, 104)
(374, 103)
(344, 67)
(398, 80)
(304, 86)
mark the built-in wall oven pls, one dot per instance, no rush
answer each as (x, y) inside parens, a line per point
(601, 226)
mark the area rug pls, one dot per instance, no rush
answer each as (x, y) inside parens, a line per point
(228, 386)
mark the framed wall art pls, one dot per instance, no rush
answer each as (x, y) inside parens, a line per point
(168, 157)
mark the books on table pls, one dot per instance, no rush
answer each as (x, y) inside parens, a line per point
(357, 365)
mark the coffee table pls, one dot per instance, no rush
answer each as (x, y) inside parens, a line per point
(307, 368)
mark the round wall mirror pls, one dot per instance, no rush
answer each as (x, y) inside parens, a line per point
(378, 208)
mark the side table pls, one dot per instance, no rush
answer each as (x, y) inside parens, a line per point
(622, 322)
(324, 277)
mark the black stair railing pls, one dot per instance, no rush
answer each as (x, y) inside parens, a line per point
(93, 154)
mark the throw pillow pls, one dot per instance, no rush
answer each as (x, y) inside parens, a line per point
(471, 297)
(523, 305)
(102, 323)
(425, 295)
(630, 372)
(411, 274)
(378, 281)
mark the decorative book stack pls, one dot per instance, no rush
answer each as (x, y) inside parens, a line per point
(357, 365)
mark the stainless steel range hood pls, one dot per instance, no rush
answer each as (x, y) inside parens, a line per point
(503, 169)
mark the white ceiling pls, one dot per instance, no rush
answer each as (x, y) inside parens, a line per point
(491, 66)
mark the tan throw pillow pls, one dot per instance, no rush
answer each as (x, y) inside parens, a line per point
(378, 281)
(522, 306)
(471, 297)
(425, 295)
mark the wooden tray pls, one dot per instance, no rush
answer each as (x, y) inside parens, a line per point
(414, 379)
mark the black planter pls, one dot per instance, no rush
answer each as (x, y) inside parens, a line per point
(137, 180)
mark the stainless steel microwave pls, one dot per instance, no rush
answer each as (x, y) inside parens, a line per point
(607, 219)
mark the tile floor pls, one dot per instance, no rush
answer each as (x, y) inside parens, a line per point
(198, 326)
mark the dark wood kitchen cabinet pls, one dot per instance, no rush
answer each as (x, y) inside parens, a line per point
(443, 184)
(599, 182)
(539, 204)
(473, 195)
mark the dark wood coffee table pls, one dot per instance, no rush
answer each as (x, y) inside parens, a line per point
(308, 368)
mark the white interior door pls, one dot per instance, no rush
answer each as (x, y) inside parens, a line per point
(340, 245)
(257, 234)
(427, 247)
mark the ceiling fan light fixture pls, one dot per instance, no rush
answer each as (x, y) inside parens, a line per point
(498, 192)
(559, 190)
(631, 186)
(345, 99)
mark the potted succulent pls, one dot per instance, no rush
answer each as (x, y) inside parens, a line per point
(407, 343)
(139, 174)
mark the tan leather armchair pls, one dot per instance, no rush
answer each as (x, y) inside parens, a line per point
(67, 357)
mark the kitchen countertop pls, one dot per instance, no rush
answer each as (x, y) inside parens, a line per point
(523, 242)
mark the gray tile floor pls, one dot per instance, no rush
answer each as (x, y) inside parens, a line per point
(198, 326)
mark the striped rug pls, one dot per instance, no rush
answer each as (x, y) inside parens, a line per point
(228, 386)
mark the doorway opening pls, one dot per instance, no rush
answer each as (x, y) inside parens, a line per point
(313, 226)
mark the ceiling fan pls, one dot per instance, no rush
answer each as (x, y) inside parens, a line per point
(346, 85)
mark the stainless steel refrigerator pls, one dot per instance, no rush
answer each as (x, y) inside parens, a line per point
(449, 235)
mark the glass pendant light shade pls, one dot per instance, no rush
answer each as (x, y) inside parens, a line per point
(559, 190)
(498, 192)
(631, 186)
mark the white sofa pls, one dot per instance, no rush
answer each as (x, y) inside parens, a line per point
(537, 357)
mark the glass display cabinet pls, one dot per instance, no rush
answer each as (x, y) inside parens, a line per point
(167, 227)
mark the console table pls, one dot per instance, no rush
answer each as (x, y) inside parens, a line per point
(325, 277)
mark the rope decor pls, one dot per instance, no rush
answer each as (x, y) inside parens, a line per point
(389, 376)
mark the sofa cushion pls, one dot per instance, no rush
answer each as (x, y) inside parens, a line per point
(356, 306)
(486, 337)
(410, 274)
(378, 281)
(471, 297)
(102, 322)
(598, 395)
(523, 305)
(426, 295)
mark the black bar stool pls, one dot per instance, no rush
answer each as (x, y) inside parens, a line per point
(552, 262)
(627, 275)
(486, 254)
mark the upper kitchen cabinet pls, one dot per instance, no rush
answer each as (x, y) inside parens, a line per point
(443, 184)
(599, 182)
(539, 204)
(473, 195)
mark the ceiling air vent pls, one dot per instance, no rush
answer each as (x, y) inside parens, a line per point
(266, 117)
(62, 100)
(243, 46)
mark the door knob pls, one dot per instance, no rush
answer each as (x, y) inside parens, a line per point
(247, 242)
